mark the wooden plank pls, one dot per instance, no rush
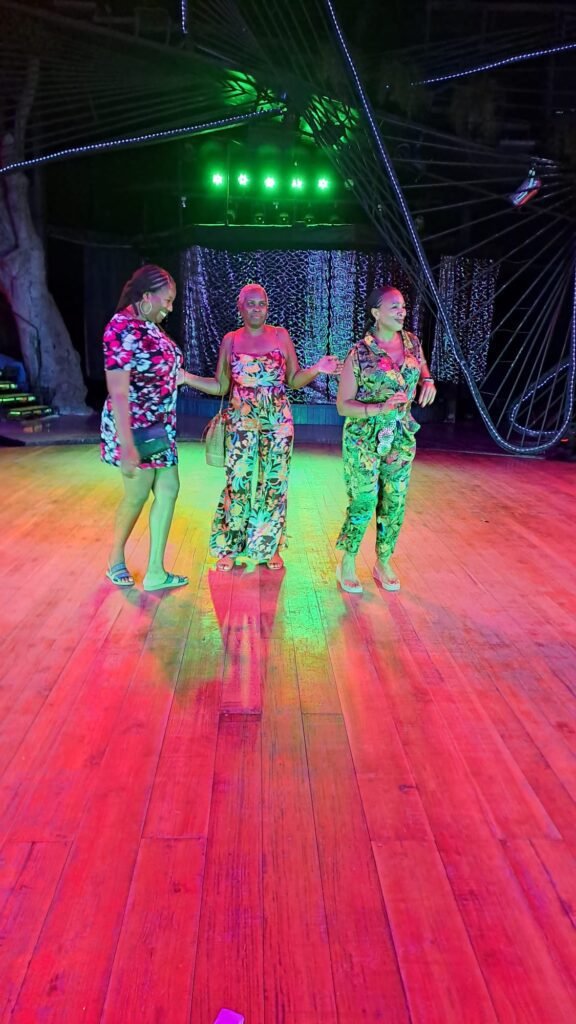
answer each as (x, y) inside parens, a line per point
(390, 794)
(365, 969)
(453, 805)
(298, 982)
(546, 873)
(23, 914)
(34, 741)
(153, 968)
(50, 805)
(13, 857)
(182, 793)
(69, 971)
(316, 682)
(523, 980)
(442, 978)
(229, 963)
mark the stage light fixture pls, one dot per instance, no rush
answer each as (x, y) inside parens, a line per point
(527, 190)
(217, 179)
(297, 184)
(323, 184)
(269, 182)
(243, 180)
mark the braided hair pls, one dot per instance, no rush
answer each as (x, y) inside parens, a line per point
(149, 278)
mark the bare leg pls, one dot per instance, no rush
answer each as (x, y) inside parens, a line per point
(165, 488)
(136, 491)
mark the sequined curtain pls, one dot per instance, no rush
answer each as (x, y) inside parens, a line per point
(468, 288)
(317, 295)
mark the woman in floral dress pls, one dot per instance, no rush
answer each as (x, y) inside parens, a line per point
(377, 386)
(257, 363)
(142, 364)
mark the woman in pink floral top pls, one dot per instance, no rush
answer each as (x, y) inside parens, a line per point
(142, 365)
(378, 384)
(257, 363)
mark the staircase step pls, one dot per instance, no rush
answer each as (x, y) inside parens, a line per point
(12, 397)
(29, 412)
(8, 385)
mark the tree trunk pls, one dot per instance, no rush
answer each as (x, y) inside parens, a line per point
(47, 350)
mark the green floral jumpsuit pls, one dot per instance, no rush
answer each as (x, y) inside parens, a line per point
(259, 426)
(378, 451)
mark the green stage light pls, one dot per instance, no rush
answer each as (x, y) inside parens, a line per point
(269, 182)
(297, 184)
(323, 184)
(217, 179)
(243, 179)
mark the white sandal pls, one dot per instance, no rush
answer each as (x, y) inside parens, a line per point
(350, 588)
(387, 583)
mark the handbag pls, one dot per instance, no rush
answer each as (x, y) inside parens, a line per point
(214, 438)
(151, 441)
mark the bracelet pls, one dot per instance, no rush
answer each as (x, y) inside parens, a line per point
(426, 380)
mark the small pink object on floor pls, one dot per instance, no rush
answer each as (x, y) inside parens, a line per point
(229, 1017)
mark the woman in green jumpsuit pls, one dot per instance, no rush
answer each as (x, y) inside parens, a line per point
(378, 384)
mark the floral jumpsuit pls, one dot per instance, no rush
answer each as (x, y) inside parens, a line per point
(259, 426)
(378, 451)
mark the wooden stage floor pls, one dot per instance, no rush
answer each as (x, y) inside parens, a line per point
(262, 794)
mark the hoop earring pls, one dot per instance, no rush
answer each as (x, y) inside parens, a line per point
(144, 312)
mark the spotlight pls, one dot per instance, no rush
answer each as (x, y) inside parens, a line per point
(269, 182)
(323, 184)
(527, 190)
(243, 180)
(217, 179)
(297, 184)
(258, 216)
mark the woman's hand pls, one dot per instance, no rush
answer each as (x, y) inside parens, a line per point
(129, 459)
(398, 399)
(427, 392)
(330, 365)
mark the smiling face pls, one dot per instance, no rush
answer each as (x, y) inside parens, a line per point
(391, 313)
(253, 306)
(161, 301)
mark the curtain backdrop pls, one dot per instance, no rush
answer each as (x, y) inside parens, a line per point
(468, 287)
(317, 295)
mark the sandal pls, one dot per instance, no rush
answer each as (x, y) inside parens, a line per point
(225, 564)
(119, 575)
(169, 581)
(348, 585)
(275, 563)
(386, 582)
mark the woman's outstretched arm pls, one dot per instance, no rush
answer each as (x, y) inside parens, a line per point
(219, 384)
